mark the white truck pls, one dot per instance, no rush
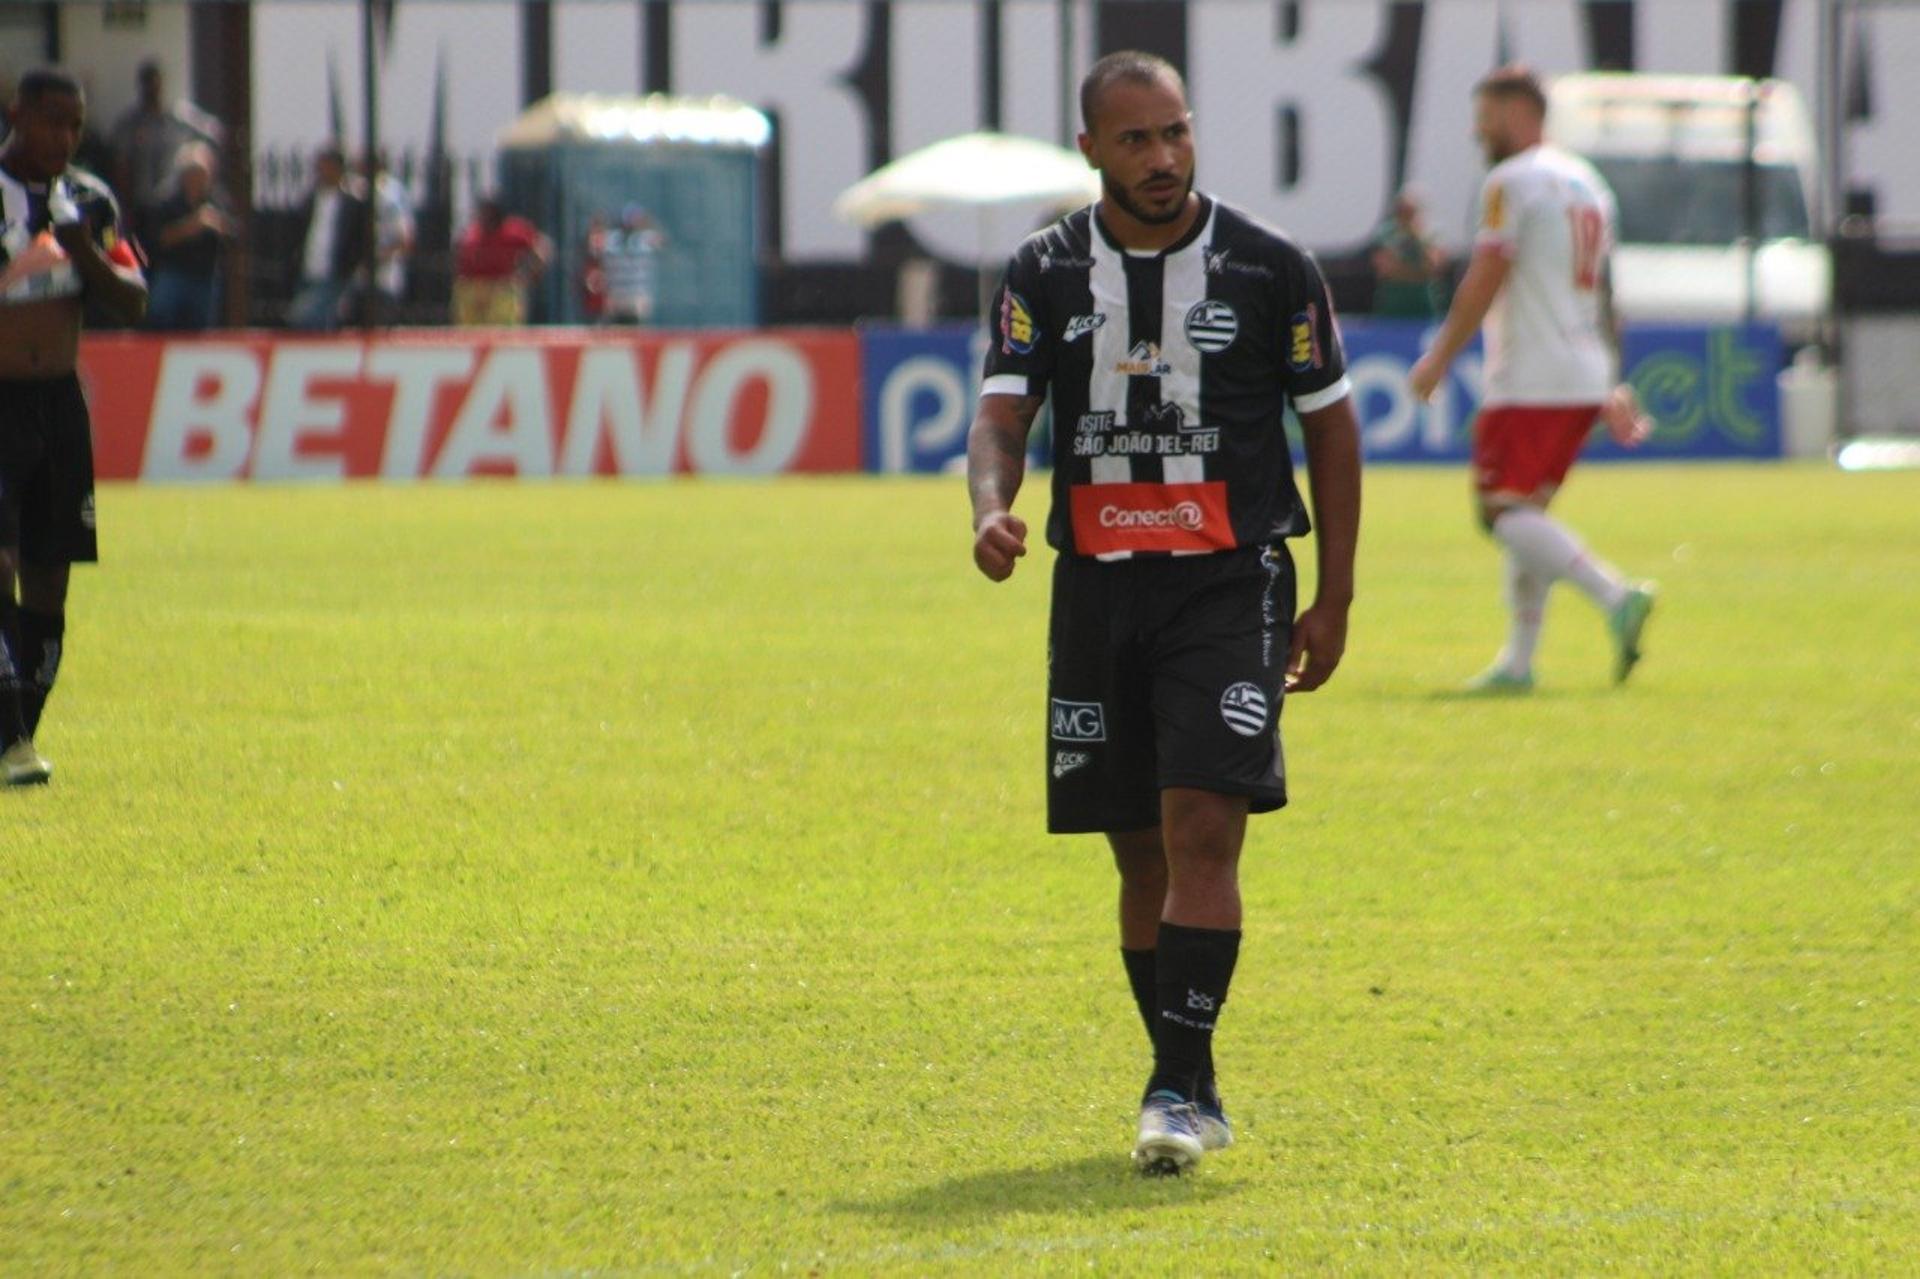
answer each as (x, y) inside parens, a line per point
(1715, 178)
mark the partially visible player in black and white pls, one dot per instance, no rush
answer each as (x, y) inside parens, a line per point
(61, 245)
(1170, 332)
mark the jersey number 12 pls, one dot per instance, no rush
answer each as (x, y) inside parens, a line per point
(1589, 238)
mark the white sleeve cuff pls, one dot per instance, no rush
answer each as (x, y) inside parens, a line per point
(1324, 396)
(1005, 384)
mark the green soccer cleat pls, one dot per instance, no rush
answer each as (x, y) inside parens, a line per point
(22, 765)
(1625, 625)
(1498, 681)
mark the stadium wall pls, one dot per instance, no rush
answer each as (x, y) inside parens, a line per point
(407, 405)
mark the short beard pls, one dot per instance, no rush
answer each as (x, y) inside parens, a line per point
(1125, 202)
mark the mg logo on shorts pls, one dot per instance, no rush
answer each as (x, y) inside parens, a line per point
(1244, 708)
(1078, 721)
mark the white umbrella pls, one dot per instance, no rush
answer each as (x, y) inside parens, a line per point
(983, 172)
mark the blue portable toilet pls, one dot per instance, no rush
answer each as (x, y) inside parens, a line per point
(692, 163)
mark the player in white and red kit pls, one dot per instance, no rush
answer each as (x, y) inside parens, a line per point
(1539, 280)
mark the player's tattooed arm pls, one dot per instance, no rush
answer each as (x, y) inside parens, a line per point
(996, 463)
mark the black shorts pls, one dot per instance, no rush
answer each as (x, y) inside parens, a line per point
(46, 471)
(1165, 672)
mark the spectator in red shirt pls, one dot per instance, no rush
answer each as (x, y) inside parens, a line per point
(495, 259)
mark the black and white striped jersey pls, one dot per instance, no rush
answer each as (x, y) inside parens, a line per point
(32, 265)
(1168, 374)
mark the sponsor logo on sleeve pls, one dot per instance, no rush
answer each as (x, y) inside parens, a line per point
(1077, 721)
(1065, 762)
(1494, 217)
(1016, 324)
(1211, 326)
(1143, 360)
(1303, 349)
(1081, 325)
(1244, 707)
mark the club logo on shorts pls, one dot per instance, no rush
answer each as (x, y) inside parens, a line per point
(1065, 762)
(1078, 721)
(86, 511)
(1244, 707)
(1212, 326)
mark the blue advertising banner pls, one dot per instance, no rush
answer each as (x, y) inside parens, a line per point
(1711, 392)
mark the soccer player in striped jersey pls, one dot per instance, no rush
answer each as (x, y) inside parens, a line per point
(1169, 331)
(1539, 280)
(60, 245)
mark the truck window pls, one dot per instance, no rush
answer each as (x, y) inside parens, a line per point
(1669, 200)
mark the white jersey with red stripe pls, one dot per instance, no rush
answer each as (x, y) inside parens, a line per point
(1553, 217)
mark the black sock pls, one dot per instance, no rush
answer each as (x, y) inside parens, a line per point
(41, 636)
(1195, 966)
(12, 726)
(1146, 989)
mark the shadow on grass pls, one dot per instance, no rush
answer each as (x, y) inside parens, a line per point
(1502, 699)
(1092, 1184)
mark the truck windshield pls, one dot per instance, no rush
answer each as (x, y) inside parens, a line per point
(1668, 200)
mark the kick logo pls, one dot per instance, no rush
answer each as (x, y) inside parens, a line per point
(1199, 1003)
(1081, 325)
(1065, 762)
(1244, 708)
(1078, 721)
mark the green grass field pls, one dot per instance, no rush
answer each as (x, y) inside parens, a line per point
(651, 878)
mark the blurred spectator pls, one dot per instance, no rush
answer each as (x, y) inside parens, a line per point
(1409, 267)
(147, 137)
(394, 233)
(190, 228)
(631, 262)
(495, 260)
(333, 240)
(593, 270)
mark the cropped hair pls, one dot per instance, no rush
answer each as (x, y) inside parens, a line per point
(39, 82)
(1130, 65)
(1514, 82)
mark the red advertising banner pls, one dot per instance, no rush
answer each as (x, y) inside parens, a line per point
(448, 404)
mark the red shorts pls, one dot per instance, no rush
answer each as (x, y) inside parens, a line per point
(1521, 448)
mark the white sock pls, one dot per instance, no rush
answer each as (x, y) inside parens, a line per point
(1549, 549)
(1527, 599)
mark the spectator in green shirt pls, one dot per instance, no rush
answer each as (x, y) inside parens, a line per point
(1409, 268)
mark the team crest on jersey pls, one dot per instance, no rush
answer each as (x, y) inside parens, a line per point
(1303, 348)
(1244, 708)
(1016, 324)
(1081, 325)
(1212, 326)
(1143, 360)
